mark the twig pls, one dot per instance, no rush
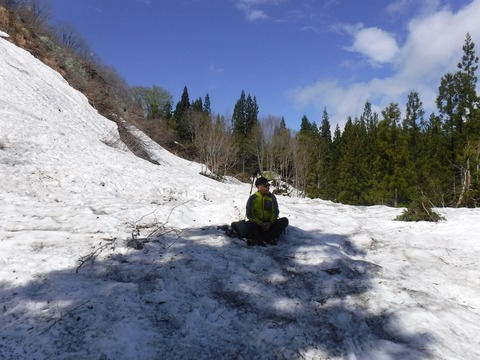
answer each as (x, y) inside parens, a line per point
(136, 231)
(220, 316)
(426, 210)
(62, 316)
(173, 242)
(137, 243)
(166, 221)
(92, 256)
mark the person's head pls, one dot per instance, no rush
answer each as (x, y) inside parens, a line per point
(262, 185)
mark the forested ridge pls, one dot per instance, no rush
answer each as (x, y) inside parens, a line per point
(399, 157)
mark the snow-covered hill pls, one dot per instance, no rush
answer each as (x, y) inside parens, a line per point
(344, 282)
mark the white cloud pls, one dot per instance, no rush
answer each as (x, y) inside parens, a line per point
(97, 9)
(432, 48)
(399, 6)
(310, 28)
(215, 69)
(254, 15)
(402, 7)
(341, 101)
(435, 42)
(377, 45)
(251, 8)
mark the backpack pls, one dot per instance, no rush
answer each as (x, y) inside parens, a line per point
(239, 228)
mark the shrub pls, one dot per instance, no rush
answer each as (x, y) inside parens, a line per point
(419, 211)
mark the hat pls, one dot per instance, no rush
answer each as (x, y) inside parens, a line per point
(261, 181)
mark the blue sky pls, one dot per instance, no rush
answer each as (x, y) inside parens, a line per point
(296, 56)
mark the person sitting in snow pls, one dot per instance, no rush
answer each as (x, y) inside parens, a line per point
(263, 225)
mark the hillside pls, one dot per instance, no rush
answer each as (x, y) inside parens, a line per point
(344, 282)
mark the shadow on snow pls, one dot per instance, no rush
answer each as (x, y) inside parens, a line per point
(181, 297)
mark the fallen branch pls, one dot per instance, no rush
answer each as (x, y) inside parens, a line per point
(92, 256)
(63, 316)
(159, 230)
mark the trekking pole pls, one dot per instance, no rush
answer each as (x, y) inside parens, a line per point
(239, 227)
(255, 173)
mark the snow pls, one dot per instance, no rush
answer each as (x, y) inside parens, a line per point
(345, 282)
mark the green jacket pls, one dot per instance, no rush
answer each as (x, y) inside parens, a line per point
(262, 208)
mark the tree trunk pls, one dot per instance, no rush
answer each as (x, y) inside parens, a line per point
(465, 184)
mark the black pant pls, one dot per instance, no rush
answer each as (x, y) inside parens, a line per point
(256, 233)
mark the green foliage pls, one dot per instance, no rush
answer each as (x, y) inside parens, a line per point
(155, 102)
(394, 174)
(325, 165)
(458, 104)
(206, 105)
(419, 211)
(308, 147)
(354, 170)
(245, 116)
(181, 117)
(244, 124)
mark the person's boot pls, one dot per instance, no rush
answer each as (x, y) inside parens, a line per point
(272, 241)
(253, 242)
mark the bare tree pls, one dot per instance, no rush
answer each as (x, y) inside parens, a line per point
(301, 159)
(269, 124)
(197, 121)
(282, 145)
(226, 149)
(165, 134)
(273, 146)
(68, 35)
(35, 13)
(258, 145)
(215, 146)
(9, 4)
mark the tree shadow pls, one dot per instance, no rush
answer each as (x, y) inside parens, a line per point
(183, 297)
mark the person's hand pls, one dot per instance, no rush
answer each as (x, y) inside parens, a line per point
(265, 226)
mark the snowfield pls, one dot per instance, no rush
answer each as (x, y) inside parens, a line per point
(344, 282)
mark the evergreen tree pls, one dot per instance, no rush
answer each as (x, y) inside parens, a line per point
(369, 120)
(335, 161)
(434, 176)
(206, 105)
(392, 180)
(411, 130)
(182, 117)
(244, 120)
(307, 127)
(325, 167)
(413, 120)
(458, 106)
(168, 112)
(309, 144)
(354, 172)
(469, 102)
(239, 118)
(251, 113)
(468, 80)
(197, 105)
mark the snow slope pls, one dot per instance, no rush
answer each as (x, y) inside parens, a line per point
(345, 282)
